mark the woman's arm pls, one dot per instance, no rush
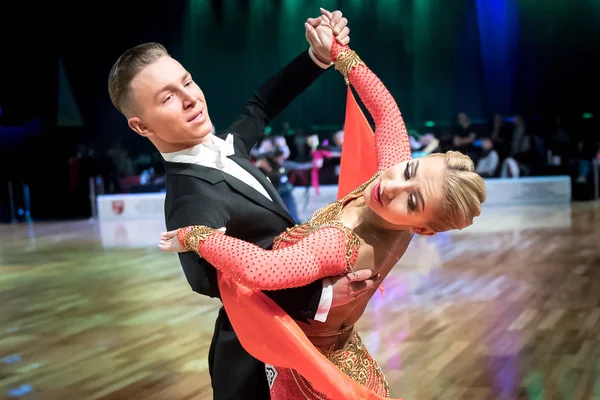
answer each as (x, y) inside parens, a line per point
(391, 136)
(320, 254)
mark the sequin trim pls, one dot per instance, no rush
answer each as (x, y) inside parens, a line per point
(356, 362)
(345, 61)
(191, 236)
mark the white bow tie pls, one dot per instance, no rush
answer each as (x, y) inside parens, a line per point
(223, 149)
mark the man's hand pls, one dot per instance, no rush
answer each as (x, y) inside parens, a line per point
(350, 287)
(321, 31)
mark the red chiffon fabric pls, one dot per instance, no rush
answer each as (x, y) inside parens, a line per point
(359, 158)
(272, 336)
(264, 329)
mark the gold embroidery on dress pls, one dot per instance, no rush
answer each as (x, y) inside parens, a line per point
(328, 215)
(345, 61)
(356, 362)
(194, 235)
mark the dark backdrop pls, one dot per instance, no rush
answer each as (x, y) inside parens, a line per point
(437, 57)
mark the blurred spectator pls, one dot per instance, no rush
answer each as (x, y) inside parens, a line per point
(558, 142)
(501, 137)
(488, 163)
(464, 135)
(338, 139)
(280, 144)
(521, 142)
(583, 155)
(272, 165)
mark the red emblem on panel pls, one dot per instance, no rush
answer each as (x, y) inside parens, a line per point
(118, 206)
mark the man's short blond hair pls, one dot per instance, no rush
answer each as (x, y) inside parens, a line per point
(131, 62)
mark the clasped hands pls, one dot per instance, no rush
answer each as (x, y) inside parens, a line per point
(321, 31)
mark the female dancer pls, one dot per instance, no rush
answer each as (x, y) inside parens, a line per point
(368, 228)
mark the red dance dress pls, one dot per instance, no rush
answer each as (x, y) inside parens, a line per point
(319, 248)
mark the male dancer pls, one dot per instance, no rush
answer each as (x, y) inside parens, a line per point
(210, 181)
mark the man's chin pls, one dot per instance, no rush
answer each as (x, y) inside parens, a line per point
(203, 132)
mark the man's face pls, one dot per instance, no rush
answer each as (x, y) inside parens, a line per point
(170, 108)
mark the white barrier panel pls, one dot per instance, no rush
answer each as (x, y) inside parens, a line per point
(146, 233)
(140, 206)
(500, 192)
(531, 216)
(528, 191)
(131, 233)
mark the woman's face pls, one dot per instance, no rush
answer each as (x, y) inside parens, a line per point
(409, 194)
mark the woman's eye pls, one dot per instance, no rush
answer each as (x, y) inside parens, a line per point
(411, 202)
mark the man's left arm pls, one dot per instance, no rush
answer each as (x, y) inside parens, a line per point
(279, 91)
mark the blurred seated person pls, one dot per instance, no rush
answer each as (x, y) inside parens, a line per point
(266, 146)
(520, 141)
(338, 139)
(319, 154)
(464, 135)
(121, 160)
(280, 144)
(522, 148)
(582, 157)
(488, 163)
(413, 140)
(336, 146)
(272, 166)
(501, 137)
(559, 140)
(510, 168)
(422, 145)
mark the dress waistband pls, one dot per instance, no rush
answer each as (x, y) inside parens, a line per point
(330, 333)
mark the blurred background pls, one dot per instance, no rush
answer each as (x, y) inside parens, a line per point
(505, 309)
(523, 73)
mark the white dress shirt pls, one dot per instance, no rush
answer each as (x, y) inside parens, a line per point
(215, 155)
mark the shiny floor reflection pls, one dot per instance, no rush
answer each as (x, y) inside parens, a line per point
(508, 308)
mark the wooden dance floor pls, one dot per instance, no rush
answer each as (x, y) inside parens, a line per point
(506, 309)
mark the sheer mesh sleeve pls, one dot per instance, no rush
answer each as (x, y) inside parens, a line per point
(320, 254)
(391, 136)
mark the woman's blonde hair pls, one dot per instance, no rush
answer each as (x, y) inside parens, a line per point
(464, 193)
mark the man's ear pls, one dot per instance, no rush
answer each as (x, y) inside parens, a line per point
(139, 127)
(423, 231)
